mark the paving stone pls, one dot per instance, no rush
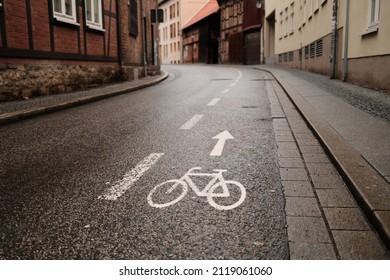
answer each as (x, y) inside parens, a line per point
(287, 146)
(316, 157)
(346, 219)
(293, 174)
(289, 153)
(284, 138)
(308, 142)
(283, 133)
(291, 162)
(359, 245)
(311, 149)
(328, 182)
(281, 127)
(307, 135)
(307, 229)
(335, 198)
(311, 251)
(321, 168)
(297, 188)
(302, 206)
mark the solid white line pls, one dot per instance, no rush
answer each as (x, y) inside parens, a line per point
(121, 186)
(214, 101)
(226, 90)
(189, 124)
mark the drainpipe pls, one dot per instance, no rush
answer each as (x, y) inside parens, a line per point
(144, 39)
(119, 33)
(346, 38)
(333, 47)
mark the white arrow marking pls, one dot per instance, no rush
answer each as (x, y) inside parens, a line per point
(222, 137)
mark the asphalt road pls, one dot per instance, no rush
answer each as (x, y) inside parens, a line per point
(78, 184)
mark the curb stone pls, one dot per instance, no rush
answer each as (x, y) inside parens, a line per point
(8, 118)
(367, 185)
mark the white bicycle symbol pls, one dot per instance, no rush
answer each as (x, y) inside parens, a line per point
(172, 191)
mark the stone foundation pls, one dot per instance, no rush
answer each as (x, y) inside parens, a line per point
(25, 81)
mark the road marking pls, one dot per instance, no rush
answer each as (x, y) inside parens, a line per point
(226, 90)
(233, 84)
(222, 137)
(121, 186)
(217, 188)
(189, 124)
(214, 101)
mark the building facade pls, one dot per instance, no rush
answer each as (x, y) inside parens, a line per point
(55, 46)
(344, 39)
(200, 35)
(241, 25)
(176, 14)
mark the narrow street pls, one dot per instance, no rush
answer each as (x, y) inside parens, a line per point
(96, 181)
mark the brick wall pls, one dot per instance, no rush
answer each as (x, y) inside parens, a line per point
(52, 57)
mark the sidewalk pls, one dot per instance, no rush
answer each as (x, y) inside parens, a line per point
(14, 111)
(356, 141)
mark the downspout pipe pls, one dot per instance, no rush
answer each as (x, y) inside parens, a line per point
(333, 48)
(119, 32)
(143, 31)
(346, 38)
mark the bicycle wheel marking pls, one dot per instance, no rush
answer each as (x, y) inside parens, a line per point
(220, 193)
(130, 178)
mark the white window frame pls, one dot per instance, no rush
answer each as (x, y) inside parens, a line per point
(91, 23)
(373, 23)
(62, 16)
(286, 22)
(281, 25)
(292, 17)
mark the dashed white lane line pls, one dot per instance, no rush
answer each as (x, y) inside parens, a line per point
(214, 101)
(226, 90)
(121, 186)
(189, 124)
(232, 85)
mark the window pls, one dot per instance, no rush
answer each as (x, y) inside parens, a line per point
(178, 9)
(373, 13)
(306, 52)
(93, 10)
(281, 25)
(312, 50)
(133, 17)
(286, 23)
(319, 48)
(65, 11)
(292, 17)
(291, 56)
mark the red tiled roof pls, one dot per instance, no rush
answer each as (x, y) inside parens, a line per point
(209, 8)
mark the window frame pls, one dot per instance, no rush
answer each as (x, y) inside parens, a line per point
(62, 16)
(371, 24)
(133, 18)
(91, 23)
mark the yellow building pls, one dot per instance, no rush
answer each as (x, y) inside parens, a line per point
(344, 39)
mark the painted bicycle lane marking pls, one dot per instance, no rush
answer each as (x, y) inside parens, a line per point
(216, 191)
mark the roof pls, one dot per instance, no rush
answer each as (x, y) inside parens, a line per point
(208, 9)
